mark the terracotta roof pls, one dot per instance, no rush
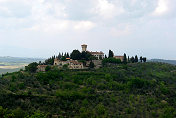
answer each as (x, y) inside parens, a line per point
(96, 52)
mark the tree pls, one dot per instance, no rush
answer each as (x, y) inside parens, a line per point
(49, 61)
(128, 59)
(48, 68)
(2, 112)
(141, 58)
(32, 67)
(144, 59)
(86, 56)
(124, 59)
(37, 115)
(63, 58)
(111, 61)
(68, 56)
(19, 113)
(75, 55)
(91, 65)
(59, 56)
(136, 59)
(111, 54)
(105, 56)
(132, 59)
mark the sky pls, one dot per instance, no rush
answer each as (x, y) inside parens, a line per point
(42, 28)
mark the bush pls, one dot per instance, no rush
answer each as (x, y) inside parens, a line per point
(137, 83)
(111, 60)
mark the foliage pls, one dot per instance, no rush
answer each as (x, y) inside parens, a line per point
(111, 54)
(91, 65)
(144, 59)
(75, 55)
(136, 59)
(32, 67)
(111, 60)
(48, 68)
(119, 90)
(125, 59)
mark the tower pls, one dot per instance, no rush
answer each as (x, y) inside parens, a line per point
(84, 47)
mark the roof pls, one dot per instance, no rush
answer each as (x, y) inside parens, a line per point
(119, 57)
(83, 45)
(97, 52)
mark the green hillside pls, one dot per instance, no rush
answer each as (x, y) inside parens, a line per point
(135, 90)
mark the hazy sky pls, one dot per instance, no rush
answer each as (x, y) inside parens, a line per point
(42, 28)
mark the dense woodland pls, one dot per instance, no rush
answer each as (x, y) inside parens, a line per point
(132, 90)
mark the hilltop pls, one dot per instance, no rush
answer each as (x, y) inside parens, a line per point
(123, 90)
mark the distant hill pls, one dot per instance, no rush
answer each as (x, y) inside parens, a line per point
(19, 59)
(164, 61)
(8, 70)
(12, 64)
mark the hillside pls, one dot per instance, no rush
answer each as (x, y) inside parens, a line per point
(126, 91)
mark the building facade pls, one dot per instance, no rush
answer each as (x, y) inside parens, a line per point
(119, 57)
(98, 55)
(72, 64)
(41, 68)
(84, 47)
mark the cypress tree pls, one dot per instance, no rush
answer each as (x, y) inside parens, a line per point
(136, 59)
(111, 54)
(59, 56)
(68, 56)
(144, 59)
(128, 59)
(124, 59)
(141, 58)
(65, 55)
(132, 59)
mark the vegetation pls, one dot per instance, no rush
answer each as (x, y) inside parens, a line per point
(77, 55)
(111, 54)
(124, 90)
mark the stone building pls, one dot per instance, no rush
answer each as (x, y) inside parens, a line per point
(41, 68)
(119, 57)
(97, 63)
(72, 64)
(84, 47)
(60, 63)
(99, 55)
(75, 64)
